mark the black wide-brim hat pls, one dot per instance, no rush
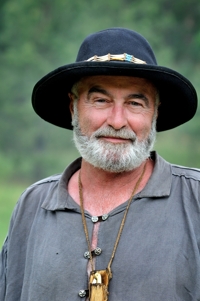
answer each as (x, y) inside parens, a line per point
(122, 52)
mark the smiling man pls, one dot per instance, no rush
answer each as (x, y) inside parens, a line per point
(117, 121)
(120, 223)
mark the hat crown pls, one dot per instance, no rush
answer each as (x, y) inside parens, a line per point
(116, 41)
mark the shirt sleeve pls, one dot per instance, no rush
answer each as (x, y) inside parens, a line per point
(3, 270)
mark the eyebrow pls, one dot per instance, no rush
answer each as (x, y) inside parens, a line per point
(98, 89)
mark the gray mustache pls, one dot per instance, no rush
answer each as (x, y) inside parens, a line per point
(121, 133)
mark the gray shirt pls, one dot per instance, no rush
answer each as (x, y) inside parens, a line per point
(157, 257)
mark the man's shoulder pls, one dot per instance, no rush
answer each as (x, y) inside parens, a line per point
(50, 179)
(43, 182)
(175, 170)
(41, 188)
(187, 172)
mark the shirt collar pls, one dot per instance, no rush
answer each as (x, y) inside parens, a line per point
(159, 185)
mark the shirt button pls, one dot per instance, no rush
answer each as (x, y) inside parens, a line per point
(104, 217)
(82, 293)
(87, 255)
(94, 219)
(97, 251)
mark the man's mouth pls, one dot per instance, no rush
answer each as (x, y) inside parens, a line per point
(115, 139)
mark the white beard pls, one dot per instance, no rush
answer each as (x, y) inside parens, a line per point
(113, 157)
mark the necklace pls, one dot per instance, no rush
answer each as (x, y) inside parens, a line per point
(99, 279)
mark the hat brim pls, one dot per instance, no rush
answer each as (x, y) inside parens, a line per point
(177, 95)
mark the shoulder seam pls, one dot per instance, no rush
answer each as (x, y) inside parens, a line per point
(183, 173)
(54, 178)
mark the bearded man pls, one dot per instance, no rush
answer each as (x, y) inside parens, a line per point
(120, 223)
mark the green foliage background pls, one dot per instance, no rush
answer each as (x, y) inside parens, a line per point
(39, 36)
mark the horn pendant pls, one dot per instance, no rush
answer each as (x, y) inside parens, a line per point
(99, 281)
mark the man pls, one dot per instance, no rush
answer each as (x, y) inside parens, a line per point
(120, 223)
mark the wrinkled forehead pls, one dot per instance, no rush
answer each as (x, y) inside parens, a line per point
(114, 81)
(107, 82)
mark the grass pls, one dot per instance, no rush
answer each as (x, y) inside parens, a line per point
(9, 194)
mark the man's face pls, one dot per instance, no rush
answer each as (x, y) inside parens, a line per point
(113, 121)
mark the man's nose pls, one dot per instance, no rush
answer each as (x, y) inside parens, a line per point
(117, 118)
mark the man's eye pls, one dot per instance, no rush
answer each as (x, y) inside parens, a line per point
(101, 100)
(135, 103)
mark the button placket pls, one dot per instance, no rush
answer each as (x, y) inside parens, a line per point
(97, 251)
(101, 218)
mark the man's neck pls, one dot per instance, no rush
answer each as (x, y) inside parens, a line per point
(103, 191)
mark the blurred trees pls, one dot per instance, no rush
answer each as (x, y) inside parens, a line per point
(39, 36)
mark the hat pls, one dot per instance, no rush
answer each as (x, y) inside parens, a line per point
(122, 52)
